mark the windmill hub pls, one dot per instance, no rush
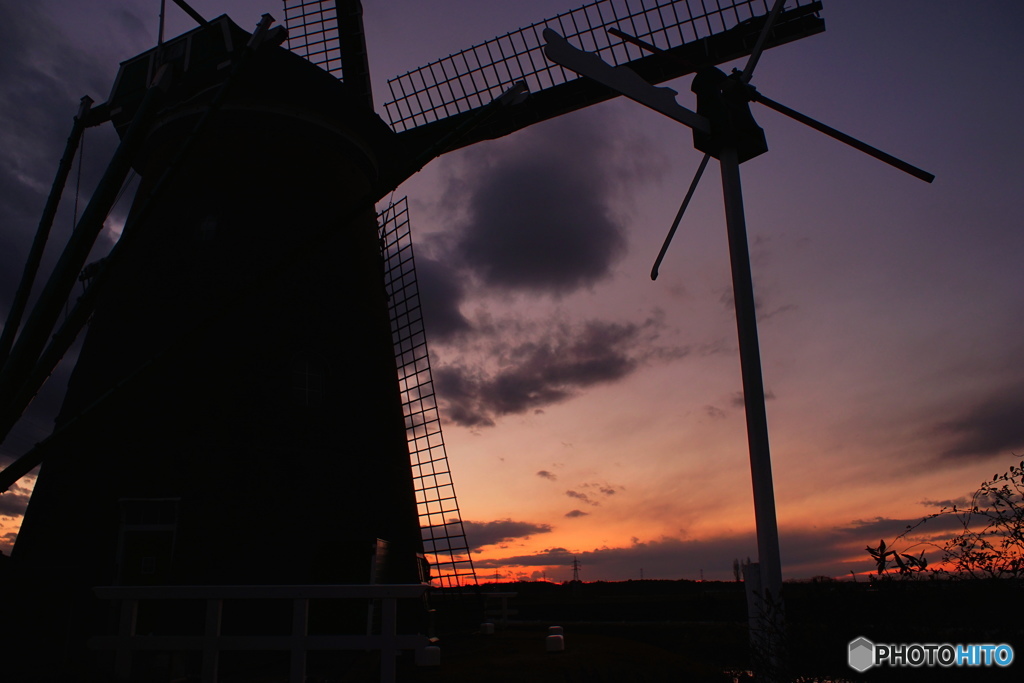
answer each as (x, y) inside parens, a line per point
(725, 102)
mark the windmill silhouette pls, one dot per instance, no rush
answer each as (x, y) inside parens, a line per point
(723, 128)
(238, 380)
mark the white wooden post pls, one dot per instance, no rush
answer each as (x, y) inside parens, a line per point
(126, 629)
(211, 634)
(388, 632)
(300, 629)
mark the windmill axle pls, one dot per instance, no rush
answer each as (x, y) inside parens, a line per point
(725, 102)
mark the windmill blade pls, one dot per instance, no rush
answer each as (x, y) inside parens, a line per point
(843, 137)
(430, 100)
(330, 34)
(313, 32)
(441, 527)
(679, 216)
(755, 54)
(621, 79)
(35, 255)
(196, 16)
(40, 323)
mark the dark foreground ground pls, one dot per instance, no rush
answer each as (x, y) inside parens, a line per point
(653, 631)
(696, 631)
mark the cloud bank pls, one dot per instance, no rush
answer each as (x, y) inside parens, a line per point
(535, 217)
(519, 368)
(992, 426)
(805, 553)
(481, 534)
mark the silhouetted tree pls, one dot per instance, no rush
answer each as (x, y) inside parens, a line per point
(989, 542)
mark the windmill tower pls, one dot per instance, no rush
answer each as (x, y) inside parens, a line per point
(238, 382)
(234, 416)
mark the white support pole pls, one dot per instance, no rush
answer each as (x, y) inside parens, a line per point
(753, 401)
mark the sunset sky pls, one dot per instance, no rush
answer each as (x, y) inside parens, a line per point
(592, 413)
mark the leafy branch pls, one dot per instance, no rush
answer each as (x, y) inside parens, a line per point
(905, 564)
(989, 542)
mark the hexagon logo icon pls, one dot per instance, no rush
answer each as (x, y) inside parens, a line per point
(862, 654)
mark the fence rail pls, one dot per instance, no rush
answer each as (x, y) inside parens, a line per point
(211, 643)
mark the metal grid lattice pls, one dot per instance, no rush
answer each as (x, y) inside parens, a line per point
(313, 32)
(444, 538)
(472, 78)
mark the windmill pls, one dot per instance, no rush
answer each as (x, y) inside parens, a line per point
(723, 128)
(215, 401)
(234, 416)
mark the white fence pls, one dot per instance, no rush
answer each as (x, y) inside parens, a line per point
(389, 642)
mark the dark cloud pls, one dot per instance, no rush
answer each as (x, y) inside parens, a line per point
(132, 24)
(713, 412)
(960, 502)
(763, 315)
(13, 503)
(43, 76)
(7, 542)
(480, 534)
(571, 514)
(546, 557)
(878, 528)
(459, 390)
(544, 474)
(538, 218)
(665, 558)
(604, 489)
(832, 551)
(992, 426)
(581, 497)
(921, 534)
(31, 121)
(736, 400)
(540, 213)
(441, 291)
(559, 239)
(764, 311)
(546, 367)
(37, 421)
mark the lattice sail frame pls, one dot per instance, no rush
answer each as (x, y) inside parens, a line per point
(313, 32)
(475, 76)
(444, 538)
